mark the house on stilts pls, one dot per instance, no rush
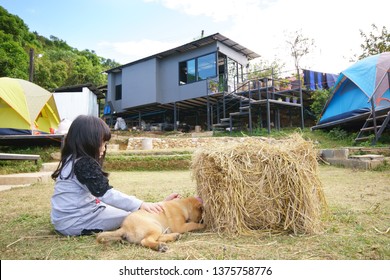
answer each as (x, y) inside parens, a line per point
(203, 83)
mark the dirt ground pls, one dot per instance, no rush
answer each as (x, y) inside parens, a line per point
(356, 189)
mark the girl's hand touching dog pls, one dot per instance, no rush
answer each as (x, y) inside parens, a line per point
(152, 207)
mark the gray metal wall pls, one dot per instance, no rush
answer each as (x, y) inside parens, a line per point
(240, 58)
(139, 84)
(169, 88)
(114, 79)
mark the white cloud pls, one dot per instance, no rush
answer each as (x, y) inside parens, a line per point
(262, 25)
(333, 24)
(218, 10)
(133, 50)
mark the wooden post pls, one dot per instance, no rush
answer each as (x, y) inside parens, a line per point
(208, 107)
(174, 117)
(268, 109)
(139, 120)
(301, 99)
(31, 69)
(373, 114)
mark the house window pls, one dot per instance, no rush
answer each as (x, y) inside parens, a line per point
(187, 72)
(118, 92)
(197, 69)
(207, 67)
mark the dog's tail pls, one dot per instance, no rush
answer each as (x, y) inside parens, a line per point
(109, 236)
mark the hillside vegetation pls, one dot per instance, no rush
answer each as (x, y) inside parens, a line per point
(56, 64)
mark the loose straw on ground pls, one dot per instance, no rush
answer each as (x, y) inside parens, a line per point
(260, 185)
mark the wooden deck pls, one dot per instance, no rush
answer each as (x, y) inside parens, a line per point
(6, 156)
(41, 139)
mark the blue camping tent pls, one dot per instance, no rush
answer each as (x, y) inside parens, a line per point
(358, 89)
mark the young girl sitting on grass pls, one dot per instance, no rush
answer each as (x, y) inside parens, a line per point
(83, 201)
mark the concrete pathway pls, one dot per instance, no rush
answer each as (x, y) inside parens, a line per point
(10, 181)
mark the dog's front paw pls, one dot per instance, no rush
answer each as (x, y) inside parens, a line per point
(202, 226)
(162, 247)
(177, 237)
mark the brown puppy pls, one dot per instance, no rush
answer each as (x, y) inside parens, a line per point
(153, 230)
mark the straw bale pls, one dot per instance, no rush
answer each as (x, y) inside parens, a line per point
(260, 185)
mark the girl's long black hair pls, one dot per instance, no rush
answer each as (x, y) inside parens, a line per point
(84, 138)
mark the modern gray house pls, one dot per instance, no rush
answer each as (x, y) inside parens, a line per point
(189, 84)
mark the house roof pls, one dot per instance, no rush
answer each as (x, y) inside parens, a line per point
(98, 91)
(194, 45)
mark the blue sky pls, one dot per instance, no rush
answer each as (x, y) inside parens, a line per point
(127, 30)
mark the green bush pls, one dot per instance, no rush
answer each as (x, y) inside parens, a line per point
(319, 98)
(338, 134)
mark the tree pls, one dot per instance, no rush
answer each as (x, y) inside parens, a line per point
(109, 63)
(375, 42)
(56, 64)
(262, 69)
(50, 74)
(319, 97)
(13, 26)
(13, 58)
(299, 46)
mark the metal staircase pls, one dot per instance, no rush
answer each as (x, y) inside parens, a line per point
(244, 109)
(374, 126)
(245, 98)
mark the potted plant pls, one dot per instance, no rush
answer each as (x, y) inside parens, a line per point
(258, 74)
(295, 83)
(276, 85)
(295, 99)
(213, 86)
(287, 99)
(285, 84)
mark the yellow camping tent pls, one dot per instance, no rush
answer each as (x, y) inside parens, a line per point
(26, 108)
